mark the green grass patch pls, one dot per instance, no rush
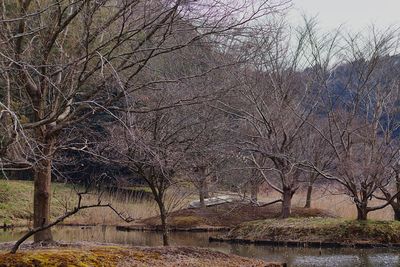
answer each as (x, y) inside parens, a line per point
(16, 200)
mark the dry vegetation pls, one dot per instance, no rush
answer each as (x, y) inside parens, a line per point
(125, 256)
(16, 208)
(337, 204)
(134, 207)
(16, 205)
(319, 230)
(229, 215)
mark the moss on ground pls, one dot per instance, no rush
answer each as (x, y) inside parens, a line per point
(125, 256)
(103, 256)
(319, 229)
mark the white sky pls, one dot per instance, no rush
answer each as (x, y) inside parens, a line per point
(356, 15)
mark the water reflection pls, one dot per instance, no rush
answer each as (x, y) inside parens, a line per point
(293, 256)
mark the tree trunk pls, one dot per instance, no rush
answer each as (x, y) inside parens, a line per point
(203, 192)
(41, 200)
(286, 203)
(205, 189)
(362, 212)
(164, 226)
(254, 191)
(308, 198)
(396, 210)
(396, 204)
(397, 214)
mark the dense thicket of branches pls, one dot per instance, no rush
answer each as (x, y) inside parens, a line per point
(63, 62)
(219, 92)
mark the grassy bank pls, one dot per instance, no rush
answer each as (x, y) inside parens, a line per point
(16, 201)
(228, 215)
(125, 256)
(16, 205)
(318, 230)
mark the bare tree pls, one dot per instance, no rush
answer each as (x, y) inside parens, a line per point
(207, 156)
(275, 103)
(317, 151)
(359, 109)
(391, 191)
(80, 205)
(67, 60)
(154, 146)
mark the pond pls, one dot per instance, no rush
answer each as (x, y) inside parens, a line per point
(293, 256)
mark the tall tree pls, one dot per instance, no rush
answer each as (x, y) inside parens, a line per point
(359, 108)
(275, 103)
(63, 61)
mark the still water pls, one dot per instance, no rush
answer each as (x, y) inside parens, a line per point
(293, 256)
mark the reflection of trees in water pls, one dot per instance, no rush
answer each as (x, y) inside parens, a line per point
(319, 257)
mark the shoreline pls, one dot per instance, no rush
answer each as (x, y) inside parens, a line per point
(172, 229)
(315, 232)
(303, 244)
(128, 228)
(283, 233)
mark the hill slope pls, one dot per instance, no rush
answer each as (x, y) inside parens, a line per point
(16, 201)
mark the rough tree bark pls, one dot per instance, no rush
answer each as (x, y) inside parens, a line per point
(394, 201)
(163, 217)
(286, 202)
(254, 188)
(362, 205)
(42, 193)
(158, 188)
(362, 212)
(203, 192)
(308, 197)
(396, 212)
(396, 204)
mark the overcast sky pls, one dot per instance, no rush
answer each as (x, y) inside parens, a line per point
(356, 15)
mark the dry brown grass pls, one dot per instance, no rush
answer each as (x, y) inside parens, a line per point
(135, 207)
(140, 208)
(338, 204)
(16, 203)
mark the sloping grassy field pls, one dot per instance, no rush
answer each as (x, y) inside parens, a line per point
(16, 205)
(16, 201)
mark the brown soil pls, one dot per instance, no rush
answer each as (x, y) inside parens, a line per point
(229, 215)
(93, 255)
